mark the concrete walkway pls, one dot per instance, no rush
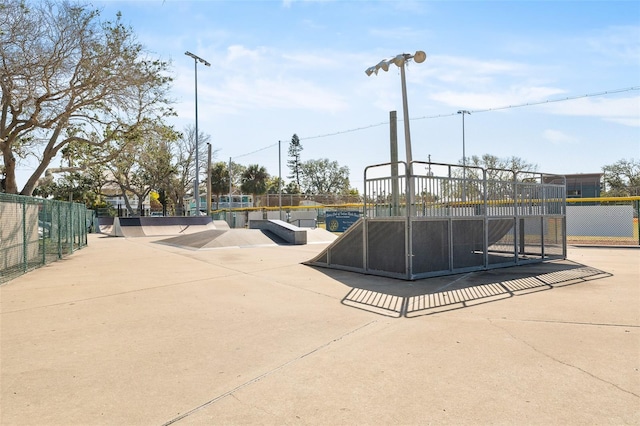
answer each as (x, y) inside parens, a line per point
(129, 332)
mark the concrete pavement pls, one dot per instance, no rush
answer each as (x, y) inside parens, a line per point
(130, 332)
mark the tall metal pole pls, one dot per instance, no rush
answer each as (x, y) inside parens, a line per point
(464, 159)
(400, 61)
(230, 187)
(279, 180)
(196, 192)
(407, 141)
(209, 180)
(230, 184)
(393, 139)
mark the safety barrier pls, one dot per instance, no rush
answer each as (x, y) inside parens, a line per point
(35, 231)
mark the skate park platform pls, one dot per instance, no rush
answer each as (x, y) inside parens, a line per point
(126, 331)
(196, 233)
(458, 219)
(290, 233)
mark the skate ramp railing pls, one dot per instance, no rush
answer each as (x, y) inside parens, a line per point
(459, 219)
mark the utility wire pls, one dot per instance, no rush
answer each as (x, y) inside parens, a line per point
(549, 101)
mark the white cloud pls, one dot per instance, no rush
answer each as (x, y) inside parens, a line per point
(623, 110)
(495, 99)
(557, 137)
(617, 42)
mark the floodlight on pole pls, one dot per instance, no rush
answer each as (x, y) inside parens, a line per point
(196, 192)
(400, 61)
(464, 158)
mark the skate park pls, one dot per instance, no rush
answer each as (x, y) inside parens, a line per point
(179, 322)
(202, 232)
(129, 331)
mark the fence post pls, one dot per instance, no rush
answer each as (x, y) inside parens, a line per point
(44, 217)
(638, 219)
(24, 235)
(70, 229)
(59, 229)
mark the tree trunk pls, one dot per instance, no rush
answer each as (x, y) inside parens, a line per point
(127, 203)
(140, 205)
(11, 186)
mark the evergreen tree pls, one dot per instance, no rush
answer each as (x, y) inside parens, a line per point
(294, 163)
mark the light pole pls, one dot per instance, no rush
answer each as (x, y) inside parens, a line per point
(208, 179)
(196, 192)
(400, 61)
(464, 158)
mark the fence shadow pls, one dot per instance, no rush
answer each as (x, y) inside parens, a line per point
(409, 299)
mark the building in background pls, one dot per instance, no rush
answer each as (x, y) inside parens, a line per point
(584, 185)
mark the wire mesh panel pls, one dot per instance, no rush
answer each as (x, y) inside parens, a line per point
(387, 246)
(554, 237)
(34, 232)
(530, 238)
(502, 241)
(468, 243)
(430, 246)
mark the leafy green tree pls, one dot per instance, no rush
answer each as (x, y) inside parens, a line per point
(254, 180)
(291, 188)
(237, 173)
(324, 177)
(622, 178)
(274, 184)
(219, 180)
(144, 164)
(294, 163)
(67, 77)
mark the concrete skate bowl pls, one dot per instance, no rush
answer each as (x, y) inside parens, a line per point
(152, 226)
(241, 238)
(428, 247)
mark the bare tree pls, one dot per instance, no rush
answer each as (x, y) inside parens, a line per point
(67, 77)
(184, 157)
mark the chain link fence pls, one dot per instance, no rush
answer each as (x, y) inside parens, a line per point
(605, 220)
(35, 232)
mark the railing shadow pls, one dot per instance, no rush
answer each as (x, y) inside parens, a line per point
(398, 298)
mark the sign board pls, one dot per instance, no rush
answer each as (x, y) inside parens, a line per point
(340, 221)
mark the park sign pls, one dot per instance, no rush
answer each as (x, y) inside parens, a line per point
(340, 221)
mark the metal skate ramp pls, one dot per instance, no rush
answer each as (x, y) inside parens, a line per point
(458, 221)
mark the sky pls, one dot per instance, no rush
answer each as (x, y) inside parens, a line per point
(294, 66)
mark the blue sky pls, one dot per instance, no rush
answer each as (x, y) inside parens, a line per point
(285, 67)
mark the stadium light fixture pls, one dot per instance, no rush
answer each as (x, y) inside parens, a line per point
(400, 61)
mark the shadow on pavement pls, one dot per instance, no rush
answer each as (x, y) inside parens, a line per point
(397, 298)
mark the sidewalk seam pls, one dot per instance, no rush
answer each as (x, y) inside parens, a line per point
(265, 374)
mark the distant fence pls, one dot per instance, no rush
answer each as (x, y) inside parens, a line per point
(34, 232)
(605, 220)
